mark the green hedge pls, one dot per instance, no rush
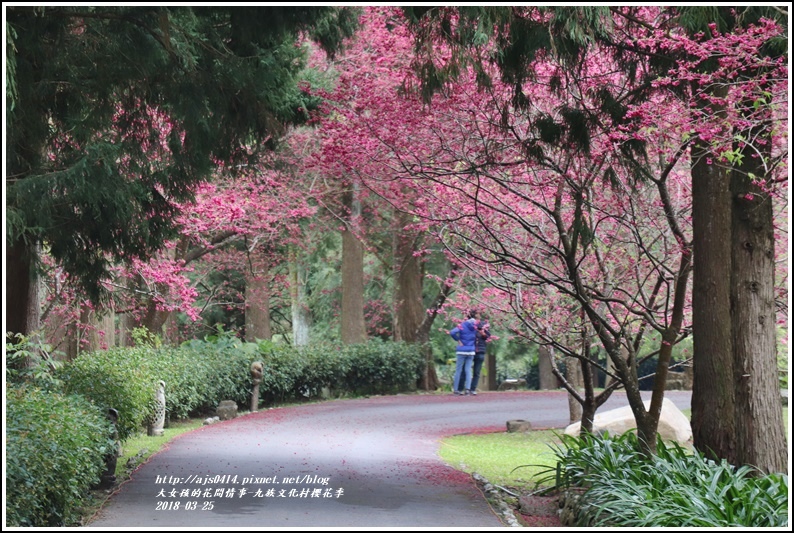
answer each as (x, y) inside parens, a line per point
(374, 367)
(379, 367)
(56, 442)
(121, 378)
(200, 374)
(55, 446)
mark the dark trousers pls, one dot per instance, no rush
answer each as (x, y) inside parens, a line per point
(479, 358)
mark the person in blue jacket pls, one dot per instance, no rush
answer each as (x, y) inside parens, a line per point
(465, 334)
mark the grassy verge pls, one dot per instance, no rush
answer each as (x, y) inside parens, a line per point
(496, 455)
(134, 451)
(139, 448)
(507, 459)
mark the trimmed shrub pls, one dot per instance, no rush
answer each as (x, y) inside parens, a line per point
(121, 379)
(200, 374)
(380, 367)
(55, 446)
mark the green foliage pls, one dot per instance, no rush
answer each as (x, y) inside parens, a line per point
(55, 446)
(379, 367)
(121, 379)
(28, 361)
(200, 374)
(675, 488)
(197, 377)
(374, 367)
(143, 337)
(103, 156)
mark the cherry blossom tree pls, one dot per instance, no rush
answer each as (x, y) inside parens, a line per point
(731, 69)
(367, 103)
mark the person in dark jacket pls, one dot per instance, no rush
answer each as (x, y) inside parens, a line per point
(465, 334)
(483, 333)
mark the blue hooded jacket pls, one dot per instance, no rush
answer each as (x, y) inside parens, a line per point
(465, 333)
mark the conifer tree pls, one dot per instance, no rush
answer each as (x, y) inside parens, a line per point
(115, 113)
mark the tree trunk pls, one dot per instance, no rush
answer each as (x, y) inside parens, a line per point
(301, 315)
(97, 330)
(409, 278)
(155, 319)
(429, 379)
(760, 434)
(573, 374)
(354, 327)
(648, 421)
(22, 294)
(548, 381)
(126, 325)
(257, 306)
(713, 427)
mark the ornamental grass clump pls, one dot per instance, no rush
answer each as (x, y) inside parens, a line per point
(675, 488)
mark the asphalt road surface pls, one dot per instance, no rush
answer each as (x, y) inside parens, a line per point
(363, 463)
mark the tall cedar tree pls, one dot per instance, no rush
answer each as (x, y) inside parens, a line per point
(116, 113)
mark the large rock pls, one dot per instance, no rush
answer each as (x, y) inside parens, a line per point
(518, 426)
(226, 410)
(673, 425)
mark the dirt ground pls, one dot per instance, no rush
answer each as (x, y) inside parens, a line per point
(538, 511)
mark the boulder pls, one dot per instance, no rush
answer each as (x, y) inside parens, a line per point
(518, 426)
(226, 410)
(673, 424)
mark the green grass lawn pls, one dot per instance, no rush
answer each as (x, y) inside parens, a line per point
(498, 456)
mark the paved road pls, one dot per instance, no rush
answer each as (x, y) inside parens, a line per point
(343, 463)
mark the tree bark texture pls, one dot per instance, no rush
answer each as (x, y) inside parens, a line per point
(548, 381)
(257, 306)
(22, 294)
(97, 330)
(760, 433)
(429, 379)
(354, 327)
(573, 373)
(409, 277)
(154, 320)
(713, 401)
(301, 316)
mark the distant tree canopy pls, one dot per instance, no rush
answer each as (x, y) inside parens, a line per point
(115, 113)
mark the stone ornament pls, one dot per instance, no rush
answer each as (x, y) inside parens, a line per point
(156, 428)
(518, 426)
(257, 370)
(108, 478)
